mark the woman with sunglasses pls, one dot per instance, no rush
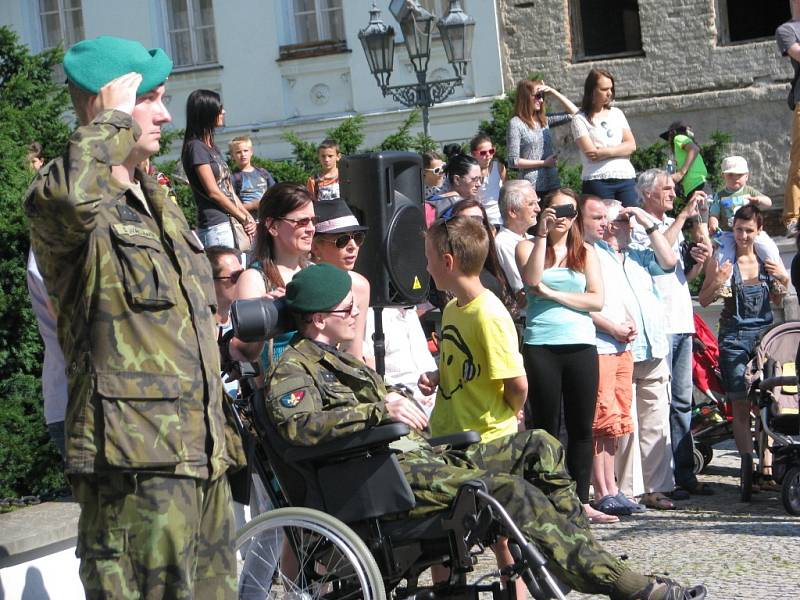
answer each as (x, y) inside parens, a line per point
(563, 284)
(493, 175)
(529, 143)
(432, 174)
(605, 141)
(208, 173)
(337, 240)
(286, 224)
(463, 179)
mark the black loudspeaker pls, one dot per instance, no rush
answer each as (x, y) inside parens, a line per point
(384, 191)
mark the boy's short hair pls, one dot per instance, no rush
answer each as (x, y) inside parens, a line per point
(464, 238)
(242, 139)
(328, 143)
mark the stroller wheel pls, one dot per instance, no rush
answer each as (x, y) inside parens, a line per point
(699, 460)
(707, 452)
(746, 477)
(790, 492)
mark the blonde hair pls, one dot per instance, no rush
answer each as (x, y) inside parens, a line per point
(242, 139)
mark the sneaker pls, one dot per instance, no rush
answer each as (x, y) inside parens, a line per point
(663, 588)
(634, 506)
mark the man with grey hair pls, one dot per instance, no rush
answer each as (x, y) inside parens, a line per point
(657, 193)
(519, 206)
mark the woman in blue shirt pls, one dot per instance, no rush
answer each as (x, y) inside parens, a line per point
(563, 285)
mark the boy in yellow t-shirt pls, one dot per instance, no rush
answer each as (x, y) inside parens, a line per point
(481, 378)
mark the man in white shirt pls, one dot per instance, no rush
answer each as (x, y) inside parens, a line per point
(519, 206)
(657, 191)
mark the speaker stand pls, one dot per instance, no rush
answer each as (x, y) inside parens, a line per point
(379, 342)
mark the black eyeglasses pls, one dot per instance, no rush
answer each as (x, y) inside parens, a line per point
(300, 223)
(436, 170)
(344, 311)
(342, 240)
(233, 277)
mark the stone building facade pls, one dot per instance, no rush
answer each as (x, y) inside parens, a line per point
(710, 63)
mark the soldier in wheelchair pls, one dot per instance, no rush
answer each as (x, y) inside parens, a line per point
(338, 440)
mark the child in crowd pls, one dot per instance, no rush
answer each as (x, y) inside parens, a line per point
(481, 379)
(726, 202)
(690, 173)
(249, 182)
(35, 156)
(432, 174)
(325, 185)
(493, 175)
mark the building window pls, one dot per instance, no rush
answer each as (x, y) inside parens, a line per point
(740, 21)
(191, 32)
(316, 27)
(605, 28)
(62, 22)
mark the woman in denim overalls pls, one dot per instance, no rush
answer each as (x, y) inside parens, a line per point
(745, 316)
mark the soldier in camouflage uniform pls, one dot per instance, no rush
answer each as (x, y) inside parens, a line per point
(316, 393)
(147, 438)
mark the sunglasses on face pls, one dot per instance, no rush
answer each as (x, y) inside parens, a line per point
(436, 170)
(343, 311)
(300, 223)
(233, 277)
(342, 240)
(539, 95)
(489, 152)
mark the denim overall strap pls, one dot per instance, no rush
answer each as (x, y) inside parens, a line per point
(751, 302)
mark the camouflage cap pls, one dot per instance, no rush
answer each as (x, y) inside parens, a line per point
(317, 288)
(90, 64)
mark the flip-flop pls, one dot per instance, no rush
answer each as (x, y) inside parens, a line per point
(612, 506)
(634, 506)
(602, 517)
(657, 501)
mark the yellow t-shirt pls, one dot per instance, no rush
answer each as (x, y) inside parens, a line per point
(478, 350)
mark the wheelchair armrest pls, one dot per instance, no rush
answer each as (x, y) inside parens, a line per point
(381, 435)
(458, 441)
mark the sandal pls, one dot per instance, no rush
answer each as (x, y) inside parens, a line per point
(698, 488)
(597, 517)
(657, 501)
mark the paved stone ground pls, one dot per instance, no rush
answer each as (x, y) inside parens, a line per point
(739, 550)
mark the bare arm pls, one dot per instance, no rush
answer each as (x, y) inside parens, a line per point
(232, 207)
(794, 51)
(590, 300)
(692, 151)
(663, 249)
(571, 108)
(623, 150)
(515, 391)
(250, 285)
(716, 275)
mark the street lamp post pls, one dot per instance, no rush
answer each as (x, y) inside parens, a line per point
(455, 29)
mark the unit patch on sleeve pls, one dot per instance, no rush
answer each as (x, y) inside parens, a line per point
(291, 399)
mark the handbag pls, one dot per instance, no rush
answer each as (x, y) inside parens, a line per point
(240, 237)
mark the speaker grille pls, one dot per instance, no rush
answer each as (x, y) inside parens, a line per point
(405, 256)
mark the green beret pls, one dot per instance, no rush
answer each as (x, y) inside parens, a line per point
(317, 288)
(91, 64)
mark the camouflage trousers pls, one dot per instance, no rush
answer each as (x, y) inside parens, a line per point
(526, 474)
(145, 536)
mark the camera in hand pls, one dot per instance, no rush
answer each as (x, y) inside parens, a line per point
(565, 210)
(259, 319)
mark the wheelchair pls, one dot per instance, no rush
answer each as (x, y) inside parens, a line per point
(341, 529)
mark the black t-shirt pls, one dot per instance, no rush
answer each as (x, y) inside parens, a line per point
(195, 153)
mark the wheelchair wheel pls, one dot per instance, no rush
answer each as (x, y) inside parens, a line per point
(304, 554)
(790, 491)
(746, 477)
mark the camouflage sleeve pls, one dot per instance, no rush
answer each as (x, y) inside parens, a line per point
(64, 198)
(295, 404)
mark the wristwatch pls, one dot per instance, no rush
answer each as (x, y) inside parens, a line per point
(651, 229)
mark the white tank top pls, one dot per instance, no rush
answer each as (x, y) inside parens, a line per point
(490, 193)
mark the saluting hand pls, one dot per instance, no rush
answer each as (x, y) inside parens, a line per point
(118, 94)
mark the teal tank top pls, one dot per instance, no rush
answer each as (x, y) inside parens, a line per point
(551, 323)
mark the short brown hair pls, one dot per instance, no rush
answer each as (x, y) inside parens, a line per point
(80, 102)
(464, 238)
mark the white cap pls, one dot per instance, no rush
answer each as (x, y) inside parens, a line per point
(735, 164)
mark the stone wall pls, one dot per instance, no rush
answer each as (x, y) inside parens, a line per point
(684, 73)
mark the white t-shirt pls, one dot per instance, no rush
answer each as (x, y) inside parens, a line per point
(617, 299)
(506, 243)
(673, 287)
(604, 132)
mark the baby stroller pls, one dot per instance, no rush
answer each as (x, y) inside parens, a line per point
(712, 418)
(773, 390)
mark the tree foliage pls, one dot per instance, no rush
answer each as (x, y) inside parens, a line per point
(32, 107)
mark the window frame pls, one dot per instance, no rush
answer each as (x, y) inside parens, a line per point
(576, 38)
(195, 64)
(61, 11)
(319, 47)
(724, 30)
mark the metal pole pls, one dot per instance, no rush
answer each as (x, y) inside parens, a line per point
(425, 120)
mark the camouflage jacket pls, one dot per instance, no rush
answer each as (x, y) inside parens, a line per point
(315, 394)
(133, 293)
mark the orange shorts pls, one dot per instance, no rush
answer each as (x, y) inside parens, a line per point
(612, 413)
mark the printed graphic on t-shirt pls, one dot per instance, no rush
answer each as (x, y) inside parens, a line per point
(454, 350)
(254, 185)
